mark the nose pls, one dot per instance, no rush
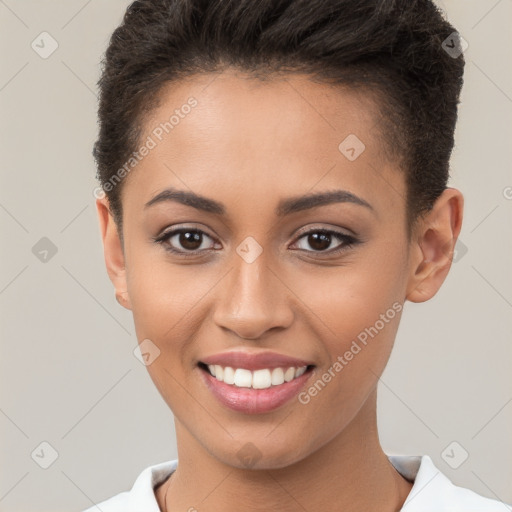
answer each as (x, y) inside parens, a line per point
(253, 300)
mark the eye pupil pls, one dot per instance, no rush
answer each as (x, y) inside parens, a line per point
(190, 239)
(319, 241)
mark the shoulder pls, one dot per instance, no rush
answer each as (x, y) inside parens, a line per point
(142, 495)
(434, 491)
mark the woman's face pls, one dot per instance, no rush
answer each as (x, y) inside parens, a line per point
(259, 270)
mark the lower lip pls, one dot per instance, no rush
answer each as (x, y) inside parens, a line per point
(253, 401)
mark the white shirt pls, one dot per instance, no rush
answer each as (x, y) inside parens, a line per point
(431, 492)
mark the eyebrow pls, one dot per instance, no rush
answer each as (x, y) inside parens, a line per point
(285, 206)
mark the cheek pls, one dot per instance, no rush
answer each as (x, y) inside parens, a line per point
(358, 342)
(350, 298)
(166, 302)
(162, 296)
(356, 308)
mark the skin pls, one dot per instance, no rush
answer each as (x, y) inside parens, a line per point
(248, 145)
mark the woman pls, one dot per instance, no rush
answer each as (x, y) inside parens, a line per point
(274, 188)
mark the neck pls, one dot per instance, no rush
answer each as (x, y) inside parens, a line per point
(350, 470)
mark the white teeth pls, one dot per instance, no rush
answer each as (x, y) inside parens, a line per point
(229, 375)
(243, 378)
(289, 374)
(258, 379)
(219, 372)
(277, 376)
(300, 371)
(261, 379)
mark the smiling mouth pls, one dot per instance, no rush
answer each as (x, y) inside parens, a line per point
(263, 378)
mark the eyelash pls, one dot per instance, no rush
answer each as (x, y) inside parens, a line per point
(348, 241)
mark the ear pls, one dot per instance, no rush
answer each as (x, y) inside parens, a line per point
(113, 252)
(433, 245)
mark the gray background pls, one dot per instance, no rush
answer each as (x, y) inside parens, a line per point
(67, 370)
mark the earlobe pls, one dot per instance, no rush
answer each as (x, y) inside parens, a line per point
(113, 252)
(433, 246)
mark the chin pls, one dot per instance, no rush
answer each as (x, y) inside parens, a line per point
(260, 453)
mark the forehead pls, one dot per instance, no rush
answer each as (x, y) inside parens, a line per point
(283, 136)
(255, 111)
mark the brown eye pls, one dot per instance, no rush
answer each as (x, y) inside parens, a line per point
(190, 240)
(321, 240)
(185, 241)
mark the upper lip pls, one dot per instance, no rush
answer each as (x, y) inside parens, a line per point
(254, 361)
